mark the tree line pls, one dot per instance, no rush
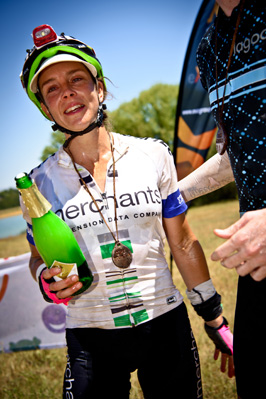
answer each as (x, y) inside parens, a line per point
(152, 114)
(9, 198)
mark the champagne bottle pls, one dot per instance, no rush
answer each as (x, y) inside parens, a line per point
(53, 238)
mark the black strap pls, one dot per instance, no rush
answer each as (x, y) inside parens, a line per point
(210, 309)
(97, 123)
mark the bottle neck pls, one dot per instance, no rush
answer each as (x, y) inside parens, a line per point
(34, 201)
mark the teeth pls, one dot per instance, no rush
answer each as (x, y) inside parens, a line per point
(73, 108)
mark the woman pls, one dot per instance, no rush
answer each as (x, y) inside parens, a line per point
(119, 195)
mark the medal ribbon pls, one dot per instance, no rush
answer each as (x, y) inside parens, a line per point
(121, 255)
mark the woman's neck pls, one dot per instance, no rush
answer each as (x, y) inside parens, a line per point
(90, 147)
(93, 152)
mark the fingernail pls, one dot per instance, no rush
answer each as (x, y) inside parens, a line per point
(77, 286)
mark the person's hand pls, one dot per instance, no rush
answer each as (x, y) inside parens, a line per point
(58, 291)
(245, 248)
(223, 340)
(227, 362)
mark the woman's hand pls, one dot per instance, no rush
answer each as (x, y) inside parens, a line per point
(63, 288)
(219, 332)
(52, 291)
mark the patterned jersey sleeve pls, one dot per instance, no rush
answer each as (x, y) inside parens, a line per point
(203, 57)
(173, 203)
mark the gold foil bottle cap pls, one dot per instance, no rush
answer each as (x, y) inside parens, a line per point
(35, 202)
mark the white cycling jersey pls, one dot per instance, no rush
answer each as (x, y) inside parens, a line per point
(146, 191)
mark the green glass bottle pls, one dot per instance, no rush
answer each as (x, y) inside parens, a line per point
(53, 238)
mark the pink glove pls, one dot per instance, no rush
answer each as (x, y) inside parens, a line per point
(221, 336)
(50, 296)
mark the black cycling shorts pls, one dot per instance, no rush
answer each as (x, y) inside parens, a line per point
(163, 351)
(249, 338)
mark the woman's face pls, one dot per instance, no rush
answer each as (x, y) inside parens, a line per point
(70, 95)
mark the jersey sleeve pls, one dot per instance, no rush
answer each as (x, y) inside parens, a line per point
(173, 203)
(204, 56)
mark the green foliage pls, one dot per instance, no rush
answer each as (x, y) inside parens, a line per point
(9, 198)
(152, 114)
(57, 139)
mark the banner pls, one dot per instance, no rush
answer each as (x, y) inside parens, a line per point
(27, 321)
(195, 126)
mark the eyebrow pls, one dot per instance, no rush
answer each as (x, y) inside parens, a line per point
(50, 80)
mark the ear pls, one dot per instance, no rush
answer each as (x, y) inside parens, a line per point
(46, 111)
(100, 91)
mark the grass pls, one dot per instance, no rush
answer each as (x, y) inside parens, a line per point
(13, 246)
(39, 374)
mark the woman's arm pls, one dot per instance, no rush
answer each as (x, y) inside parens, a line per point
(186, 251)
(213, 174)
(191, 263)
(35, 261)
(188, 256)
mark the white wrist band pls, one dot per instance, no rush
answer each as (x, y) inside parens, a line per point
(201, 292)
(39, 270)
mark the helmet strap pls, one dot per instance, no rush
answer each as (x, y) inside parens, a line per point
(97, 123)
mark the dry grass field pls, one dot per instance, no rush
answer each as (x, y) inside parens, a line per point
(38, 374)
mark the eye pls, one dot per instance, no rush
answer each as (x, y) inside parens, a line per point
(51, 89)
(77, 79)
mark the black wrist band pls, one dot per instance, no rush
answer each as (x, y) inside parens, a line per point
(224, 323)
(210, 309)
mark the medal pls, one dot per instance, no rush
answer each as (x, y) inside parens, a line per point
(121, 255)
(221, 140)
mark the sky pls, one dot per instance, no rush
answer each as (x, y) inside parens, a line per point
(139, 43)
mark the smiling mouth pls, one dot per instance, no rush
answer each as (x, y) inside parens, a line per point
(73, 109)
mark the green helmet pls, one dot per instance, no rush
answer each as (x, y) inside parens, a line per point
(49, 49)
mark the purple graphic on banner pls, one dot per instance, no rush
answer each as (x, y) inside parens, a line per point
(54, 318)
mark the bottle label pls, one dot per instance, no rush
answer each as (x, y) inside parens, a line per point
(67, 270)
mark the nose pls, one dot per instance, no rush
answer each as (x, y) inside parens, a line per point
(67, 91)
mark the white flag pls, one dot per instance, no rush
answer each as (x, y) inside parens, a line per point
(27, 321)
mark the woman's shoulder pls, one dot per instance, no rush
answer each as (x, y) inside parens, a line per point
(148, 145)
(42, 171)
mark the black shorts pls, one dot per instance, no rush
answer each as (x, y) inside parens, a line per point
(163, 351)
(249, 338)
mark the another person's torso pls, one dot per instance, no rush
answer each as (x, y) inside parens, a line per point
(244, 113)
